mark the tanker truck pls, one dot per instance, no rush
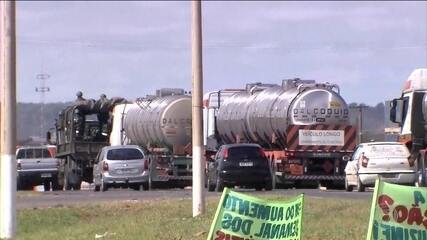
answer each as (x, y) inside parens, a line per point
(161, 125)
(410, 113)
(302, 125)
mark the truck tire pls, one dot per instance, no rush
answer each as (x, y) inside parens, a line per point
(20, 184)
(46, 185)
(145, 186)
(211, 187)
(77, 186)
(55, 184)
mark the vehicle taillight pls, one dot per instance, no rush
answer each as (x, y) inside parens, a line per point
(18, 166)
(411, 161)
(365, 161)
(146, 164)
(105, 167)
(225, 154)
(262, 153)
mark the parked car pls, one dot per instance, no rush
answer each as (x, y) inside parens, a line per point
(388, 160)
(36, 165)
(121, 166)
(242, 165)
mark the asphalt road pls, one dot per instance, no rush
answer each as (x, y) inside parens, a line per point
(67, 198)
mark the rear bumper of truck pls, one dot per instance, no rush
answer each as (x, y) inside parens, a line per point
(281, 177)
(36, 177)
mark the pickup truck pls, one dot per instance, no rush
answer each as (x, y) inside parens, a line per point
(36, 165)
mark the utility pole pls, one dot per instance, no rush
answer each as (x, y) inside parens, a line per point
(197, 115)
(42, 90)
(8, 120)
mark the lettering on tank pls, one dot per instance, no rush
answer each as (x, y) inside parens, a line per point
(176, 121)
(319, 115)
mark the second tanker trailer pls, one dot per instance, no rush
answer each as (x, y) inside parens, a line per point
(303, 126)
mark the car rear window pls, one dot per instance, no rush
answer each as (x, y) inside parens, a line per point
(124, 154)
(387, 150)
(244, 153)
(33, 153)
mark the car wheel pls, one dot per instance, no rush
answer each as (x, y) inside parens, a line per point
(219, 185)
(211, 187)
(347, 187)
(104, 185)
(360, 186)
(269, 185)
(258, 188)
(145, 186)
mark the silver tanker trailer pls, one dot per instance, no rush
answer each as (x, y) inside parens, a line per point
(303, 126)
(160, 124)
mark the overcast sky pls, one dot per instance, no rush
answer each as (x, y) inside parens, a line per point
(130, 49)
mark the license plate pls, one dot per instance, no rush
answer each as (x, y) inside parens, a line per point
(389, 175)
(46, 175)
(246, 164)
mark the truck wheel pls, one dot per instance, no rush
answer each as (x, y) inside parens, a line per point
(55, 184)
(348, 187)
(19, 184)
(46, 185)
(77, 186)
(136, 187)
(219, 185)
(211, 187)
(67, 184)
(360, 187)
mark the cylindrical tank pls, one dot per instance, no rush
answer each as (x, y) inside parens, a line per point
(261, 115)
(161, 122)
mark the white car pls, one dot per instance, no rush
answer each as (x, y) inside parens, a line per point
(387, 160)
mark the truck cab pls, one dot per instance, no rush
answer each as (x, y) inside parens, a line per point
(410, 113)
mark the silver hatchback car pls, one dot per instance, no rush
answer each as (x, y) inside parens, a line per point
(121, 166)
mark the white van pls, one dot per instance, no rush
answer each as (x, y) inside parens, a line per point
(387, 160)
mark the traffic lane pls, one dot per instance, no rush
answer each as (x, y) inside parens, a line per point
(70, 198)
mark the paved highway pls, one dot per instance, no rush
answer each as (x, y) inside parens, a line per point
(67, 198)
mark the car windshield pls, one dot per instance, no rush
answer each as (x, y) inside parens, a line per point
(33, 153)
(239, 153)
(124, 154)
(382, 150)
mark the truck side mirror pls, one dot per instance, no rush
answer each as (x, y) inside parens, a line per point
(396, 111)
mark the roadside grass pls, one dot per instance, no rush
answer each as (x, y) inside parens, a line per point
(172, 219)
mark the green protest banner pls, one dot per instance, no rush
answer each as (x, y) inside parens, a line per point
(243, 217)
(398, 213)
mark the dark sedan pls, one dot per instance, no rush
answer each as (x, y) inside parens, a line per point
(243, 165)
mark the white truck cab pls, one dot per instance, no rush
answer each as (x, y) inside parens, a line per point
(410, 112)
